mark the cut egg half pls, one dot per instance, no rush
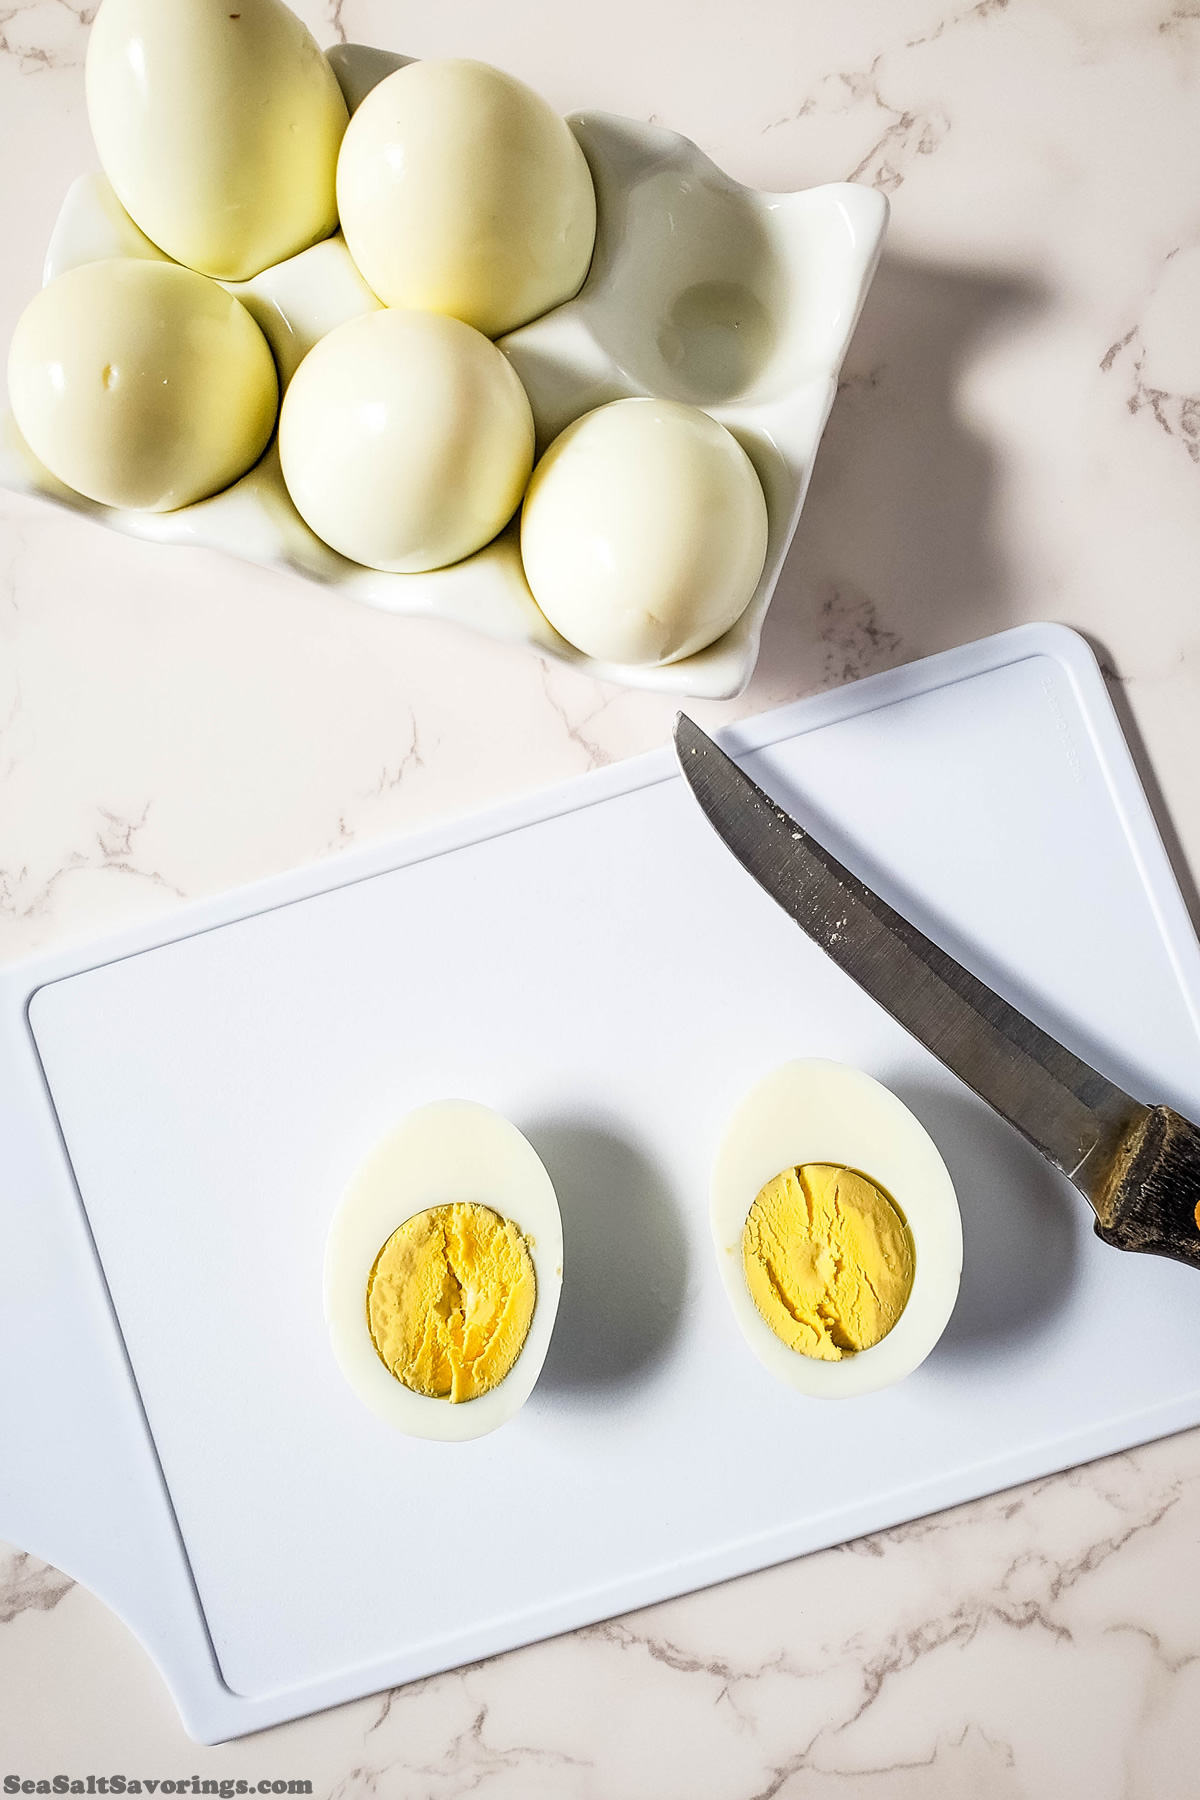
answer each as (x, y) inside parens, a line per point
(451, 1157)
(814, 1112)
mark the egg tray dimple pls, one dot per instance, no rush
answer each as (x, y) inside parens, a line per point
(700, 290)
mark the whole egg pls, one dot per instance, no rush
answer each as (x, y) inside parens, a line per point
(461, 191)
(644, 531)
(823, 1115)
(400, 1223)
(406, 440)
(141, 384)
(218, 126)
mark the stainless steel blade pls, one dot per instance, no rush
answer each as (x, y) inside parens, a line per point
(1067, 1109)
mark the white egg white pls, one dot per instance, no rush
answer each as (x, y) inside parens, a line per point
(218, 127)
(644, 531)
(406, 440)
(452, 1150)
(461, 191)
(141, 384)
(815, 1111)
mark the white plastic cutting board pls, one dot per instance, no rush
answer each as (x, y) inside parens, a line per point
(593, 964)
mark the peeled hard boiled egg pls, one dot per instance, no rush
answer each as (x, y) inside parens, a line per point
(824, 1127)
(406, 440)
(218, 126)
(461, 191)
(443, 1271)
(644, 531)
(141, 384)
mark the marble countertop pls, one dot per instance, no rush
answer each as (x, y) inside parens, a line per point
(1017, 438)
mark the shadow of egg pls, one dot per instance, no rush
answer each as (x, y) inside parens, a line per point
(624, 1258)
(1021, 1221)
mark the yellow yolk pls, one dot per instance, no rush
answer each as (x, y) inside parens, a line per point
(828, 1260)
(450, 1299)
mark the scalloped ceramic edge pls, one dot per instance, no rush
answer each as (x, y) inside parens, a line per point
(700, 290)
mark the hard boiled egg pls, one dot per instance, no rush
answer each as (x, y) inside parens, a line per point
(141, 384)
(460, 190)
(835, 1125)
(443, 1271)
(218, 126)
(406, 440)
(644, 531)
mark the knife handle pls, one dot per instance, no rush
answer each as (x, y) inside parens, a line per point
(1151, 1201)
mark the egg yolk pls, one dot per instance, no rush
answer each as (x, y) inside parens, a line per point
(828, 1260)
(450, 1299)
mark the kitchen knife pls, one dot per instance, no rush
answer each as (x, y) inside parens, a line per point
(1138, 1165)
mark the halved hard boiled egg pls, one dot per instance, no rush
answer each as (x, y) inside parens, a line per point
(836, 1228)
(443, 1270)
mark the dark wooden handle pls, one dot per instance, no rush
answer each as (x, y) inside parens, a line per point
(1152, 1198)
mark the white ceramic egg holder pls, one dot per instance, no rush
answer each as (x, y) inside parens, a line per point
(700, 290)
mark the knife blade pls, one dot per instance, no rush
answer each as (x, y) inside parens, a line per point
(1138, 1165)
